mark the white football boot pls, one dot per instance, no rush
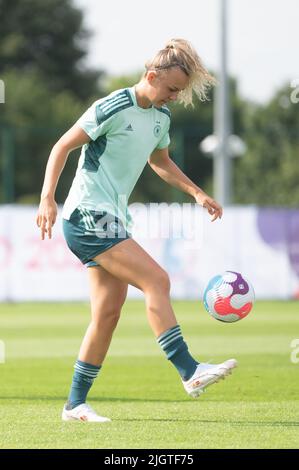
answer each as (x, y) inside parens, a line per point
(208, 374)
(82, 412)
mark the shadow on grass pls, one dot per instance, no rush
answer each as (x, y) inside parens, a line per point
(96, 400)
(177, 419)
(210, 421)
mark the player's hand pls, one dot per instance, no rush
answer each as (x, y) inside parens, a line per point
(213, 208)
(46, 216)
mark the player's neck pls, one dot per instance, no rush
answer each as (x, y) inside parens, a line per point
(141, 97)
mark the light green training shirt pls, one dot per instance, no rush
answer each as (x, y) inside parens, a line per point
(123, 135)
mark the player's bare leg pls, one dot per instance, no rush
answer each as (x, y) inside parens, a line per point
(107, 296)
(131, 264)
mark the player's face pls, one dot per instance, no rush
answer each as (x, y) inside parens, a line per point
(166, 85)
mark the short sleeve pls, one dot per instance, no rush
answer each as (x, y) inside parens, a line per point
(164, 142)
(165, 139)
(90, 123)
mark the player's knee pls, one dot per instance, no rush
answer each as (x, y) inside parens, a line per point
(117, 302)
(109, 309)
(112, 314)
(108, 316)
(161, 282)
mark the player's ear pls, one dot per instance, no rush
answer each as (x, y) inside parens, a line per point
(151, 76)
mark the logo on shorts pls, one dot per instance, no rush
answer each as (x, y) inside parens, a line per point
(157, 130)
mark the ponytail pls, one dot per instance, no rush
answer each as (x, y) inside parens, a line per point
(180, 53)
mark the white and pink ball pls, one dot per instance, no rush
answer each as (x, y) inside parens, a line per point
(229, 297)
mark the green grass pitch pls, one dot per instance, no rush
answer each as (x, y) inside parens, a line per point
(256, 407)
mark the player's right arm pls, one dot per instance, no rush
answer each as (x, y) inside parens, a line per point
(47, 212)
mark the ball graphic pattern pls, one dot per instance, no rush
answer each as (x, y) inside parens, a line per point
(229, 297)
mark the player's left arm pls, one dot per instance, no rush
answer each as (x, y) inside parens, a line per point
(165, 167)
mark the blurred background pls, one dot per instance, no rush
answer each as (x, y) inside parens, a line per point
(58, 56)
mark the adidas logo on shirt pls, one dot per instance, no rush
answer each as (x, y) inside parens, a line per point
(129, 128)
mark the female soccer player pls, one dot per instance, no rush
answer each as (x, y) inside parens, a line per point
(119, 134)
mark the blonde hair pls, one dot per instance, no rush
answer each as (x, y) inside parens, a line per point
(180, 53)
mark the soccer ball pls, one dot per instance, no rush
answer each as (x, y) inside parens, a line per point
(228, 297)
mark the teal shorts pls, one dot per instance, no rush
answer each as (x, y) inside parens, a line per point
(89, 233)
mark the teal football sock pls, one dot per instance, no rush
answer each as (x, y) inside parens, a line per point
(83, 379)
(173, 344)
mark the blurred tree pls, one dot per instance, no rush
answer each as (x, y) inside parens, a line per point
(115, 82)
(47, 36)
(268, 174)
(29, 126)
(43, 46)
